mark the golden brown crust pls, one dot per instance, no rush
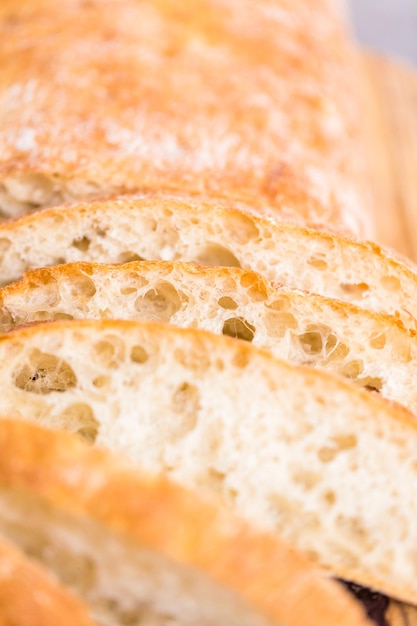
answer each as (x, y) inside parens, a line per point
(29, 597)
(199, 96)
(254, 282)
(365, 409)
(243, 351)
(87, 481)
(367, 262)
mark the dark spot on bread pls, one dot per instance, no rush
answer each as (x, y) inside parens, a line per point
(375, 603)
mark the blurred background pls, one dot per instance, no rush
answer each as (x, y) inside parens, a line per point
(389, 26)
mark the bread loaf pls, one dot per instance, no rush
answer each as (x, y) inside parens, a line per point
(192, 229)
(30, 597)
(292, 449)
(257, 100)
(144, 551)
(374, 351)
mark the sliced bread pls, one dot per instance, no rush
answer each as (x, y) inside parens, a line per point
(375, 351)
(155, 227)
(254, 98)
(294, 450)
(142, 551)
(29, 596)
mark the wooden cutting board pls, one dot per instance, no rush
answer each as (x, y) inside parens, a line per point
(391, 90)
(391, 119)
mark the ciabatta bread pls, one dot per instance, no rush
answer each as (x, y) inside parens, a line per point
(143, 551)
(374, 351)
(294, 450)
(29, 596)
(194, 229)
(254, 99)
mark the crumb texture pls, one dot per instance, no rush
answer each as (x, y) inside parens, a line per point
(373, 351)
(175, 228)
(287, 448)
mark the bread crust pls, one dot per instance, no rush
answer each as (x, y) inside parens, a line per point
(330, 264)
(188, 294)
(29, 597)
(242, 350)
(384, 421)
(281, 584)
(121, 95)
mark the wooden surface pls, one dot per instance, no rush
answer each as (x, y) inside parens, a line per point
(401, 615)
(391, 119)
(391, 90)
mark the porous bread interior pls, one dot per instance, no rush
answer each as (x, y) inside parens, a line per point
(26, 193)
(288, 449)
(374, 352)
(122, 582)
(173, 229)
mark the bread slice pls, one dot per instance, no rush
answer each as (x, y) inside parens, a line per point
(29, 596)
(141, 550)
(258, 99)
(155, 227)
(294, 450)
(374, 351)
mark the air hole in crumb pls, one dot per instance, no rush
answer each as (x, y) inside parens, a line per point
(319, 264)
(127, 291)
(101, 382)
(326, 454)
(371, 383)
(242, 228)
(391, 283)
(4, 245)
(215, 254)
(160, 303)
(82, 285)
(132, 282)
(45, 373)
(378, 341)
(186, 399)
(230, 496)
(82, 244)
(311, 342)
(352, 369)
(330, 498)
(356, 290)
(277, 323)
(6, 319)
(109, 351)
(339, 444)
(306, 479)
(216, 479)
(128, 257)
(331, 343)
(337, 353)
(79, 418)
(281, 508)
(138, 354)
(45, 287)
(55, 316)
(227, 303)
(239, 328)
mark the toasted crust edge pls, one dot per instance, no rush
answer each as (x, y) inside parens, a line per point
(277, 581)
(30, 597)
